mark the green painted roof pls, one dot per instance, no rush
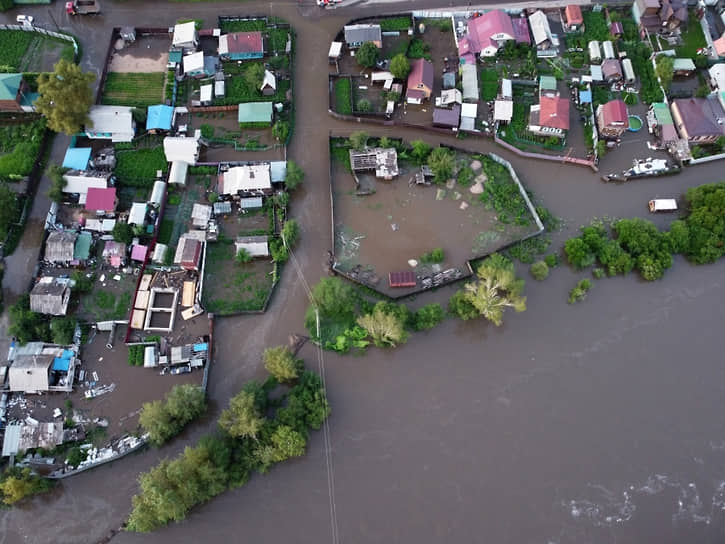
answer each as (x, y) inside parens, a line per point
(9, 86)
(547, 83)
(683, 65)
(662, 113)
(82, 249)
(255, 112)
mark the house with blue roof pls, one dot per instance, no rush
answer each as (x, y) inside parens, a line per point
(14, 95)
(76, 158)
(159, 117)
(255, 113)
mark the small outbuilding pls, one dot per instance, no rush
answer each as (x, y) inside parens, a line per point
(159, 118)
(113, 123)
(573, 18)
(60, 246)
(185, 35)
(335, 52)
(77, 158)
(137, 214)
(249, 178)
(447, 117)
(255, 113)
(257, 246)
(269, 84)
(50, 296)
(200, 215)
(181, 149)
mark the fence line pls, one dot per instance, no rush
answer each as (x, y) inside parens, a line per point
(45, 32)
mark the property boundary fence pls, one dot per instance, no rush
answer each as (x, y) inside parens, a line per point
(44, 32)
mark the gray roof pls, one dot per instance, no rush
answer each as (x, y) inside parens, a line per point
(30, 373)
(222, 207)
(50, 297)
(363, 33)
(251, 239)
(60, 245)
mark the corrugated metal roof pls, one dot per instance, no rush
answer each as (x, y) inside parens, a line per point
(12, 440)
(76, 158)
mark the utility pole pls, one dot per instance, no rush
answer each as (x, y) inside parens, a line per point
(57, 28)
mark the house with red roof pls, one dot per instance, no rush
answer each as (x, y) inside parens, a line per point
(488, 32)
(521, 30)
(241, 46)
(420, 81)
(550, 117)
(612, 119)
(573, 19)
(100, 200)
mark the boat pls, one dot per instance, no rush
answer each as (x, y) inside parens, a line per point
(643, 168)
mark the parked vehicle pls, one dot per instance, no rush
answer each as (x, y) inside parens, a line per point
(82, 7)
(24, 19)
(181, 369)
(662, 205)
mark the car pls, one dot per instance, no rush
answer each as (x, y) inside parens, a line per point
(23, 19)
(181, 369)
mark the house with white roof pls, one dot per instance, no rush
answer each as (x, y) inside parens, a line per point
(185, 35)
(540, 30)
(113, 123)
(249, 178)
(717, 77)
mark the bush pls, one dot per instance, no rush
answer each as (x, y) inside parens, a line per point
(552, 260)
(62, 330)
(294, 177)
(598, 273)
(578, 253)
(539, 270)
(291, 232)
(441, 162)
(363, 105)
(428, 317)
(400, 66)
(436, 256)
(243, 256)
(579, 292)
(122, 232)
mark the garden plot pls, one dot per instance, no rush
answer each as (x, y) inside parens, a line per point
(244, 84)
(109, 298)
(19, 147)
(397, 228)
(32, 52)
(231, 287)
(251, 223)
(133, 89)
(137, 163)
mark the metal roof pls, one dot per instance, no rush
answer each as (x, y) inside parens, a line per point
(255, 112)
(76, 158)
(159, 117)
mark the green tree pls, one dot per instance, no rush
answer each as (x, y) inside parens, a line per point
(646, 244)
(122, 232)
(359, 140)
(287, 443)
(428, 317)
(62, 329)
(665, 70)
(578, 253)
(281, 364)
(157, 422)
(363, 105)
(294, 177)
(460, 306)
(385, 328)
(579, 291)
(6, 5)
(243, 256)
(420, 151)
(25, 325)
(678, 237)
(400, 66)
(367, 54)
(441, 162)
(539, 270)
(334, 298)
(8, 209)
(57, 182)
(254, 75)
(213, 197)
(280, 131)
(65, 97)
(19, 483)
(242, 419)
(291, 232)
(185, 403)
(497, 288)
(385, 142)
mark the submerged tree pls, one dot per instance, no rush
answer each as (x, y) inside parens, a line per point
(242, 419)
(496, 289)
(385, 327)
(281, 364)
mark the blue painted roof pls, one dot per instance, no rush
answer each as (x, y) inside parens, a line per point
(77, 158)
(278, 170)
(61, 364)
(175, 56)
(585, 97)
(200, 347)
(159, 117)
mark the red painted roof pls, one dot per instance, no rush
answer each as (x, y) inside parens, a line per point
(481, 29)
(615, 111)
(421, 73)
(554, 112)
(101, 200)
(574, 15)
(245, 42)
(402, 279)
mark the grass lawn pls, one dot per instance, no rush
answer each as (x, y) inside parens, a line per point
(239, 90)
(243, 26)
(693, 38)
(13, 45)
(19, 147)
(133, 89)
(109, 301)
(489, 84)
(343, 96)
(230, 287)
(278, 39)
(137, 167)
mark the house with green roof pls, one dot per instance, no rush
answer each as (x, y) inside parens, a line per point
(255, 114)
(662, 124)
(13, 93)
(547, 86)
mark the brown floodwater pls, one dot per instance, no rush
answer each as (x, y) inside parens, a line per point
(594, 423)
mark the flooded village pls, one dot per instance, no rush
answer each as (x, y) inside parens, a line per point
(162, 262)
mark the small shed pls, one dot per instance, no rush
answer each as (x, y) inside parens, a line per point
(138, 252)
(159, 253)
(225, 208)
(616, 29)
(185, 35)
(628, 70)
(255, 112)
(402, 279)
(278, 171)
(159, 117)
(188, 253)
(180, 148)
(507, 91)
(449, 80)
(596, 73)
(50, 296)
(30, 373)
(60, 246)
(219, 89)
(469, 112)
(206, 94)
(269, 84)
(683, 67)
(76, 158)
(177, 172)
(447, 118)
(257, 246)
(158, 192)
(335, 52)
(503, 110)
(200, 215)
(137, 215)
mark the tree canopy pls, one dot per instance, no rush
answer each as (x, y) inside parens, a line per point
(242, 419)
(385, 325)
(400, 66)
(8, 209)
(367, 54)
(295, 176)
(359, 140)
(441, 162)
(281, 364)
(65, 97)
(122, 232)
(26, 325)
(164, 420)
(57, 182)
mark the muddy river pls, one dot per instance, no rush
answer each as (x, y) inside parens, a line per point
(594, 423)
